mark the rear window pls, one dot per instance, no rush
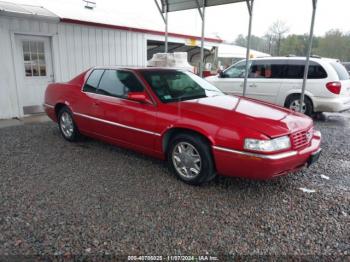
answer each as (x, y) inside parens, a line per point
(295, 70)
(347, 66)
(93, 81)
(341, 71)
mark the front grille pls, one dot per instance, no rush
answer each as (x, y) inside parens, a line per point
(300, 139)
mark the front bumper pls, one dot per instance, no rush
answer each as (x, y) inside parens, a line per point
(255, 166)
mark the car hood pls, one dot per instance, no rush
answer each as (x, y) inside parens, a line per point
(270, 120)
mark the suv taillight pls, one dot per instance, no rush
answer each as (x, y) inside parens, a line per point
(334, 87)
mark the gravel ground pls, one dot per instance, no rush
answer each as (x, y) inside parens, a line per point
(60, 198)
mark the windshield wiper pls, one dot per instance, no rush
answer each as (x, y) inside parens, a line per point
(184, 98)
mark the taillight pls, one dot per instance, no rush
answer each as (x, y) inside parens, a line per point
(334, 87)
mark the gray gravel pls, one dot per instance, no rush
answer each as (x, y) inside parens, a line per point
(60, 198)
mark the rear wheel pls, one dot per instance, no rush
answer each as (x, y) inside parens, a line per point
(190, 158)
(67, 126)
(293, 103)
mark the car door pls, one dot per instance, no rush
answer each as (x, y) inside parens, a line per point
(129, 122)
(85, 108)
(231, 80)
(265, 80)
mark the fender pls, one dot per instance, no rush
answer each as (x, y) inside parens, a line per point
(297, 92)
(161, 144)
(190, 127)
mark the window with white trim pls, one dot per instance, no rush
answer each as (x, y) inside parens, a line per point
(34, 58)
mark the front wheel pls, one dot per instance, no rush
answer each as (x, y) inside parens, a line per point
(190, 158)
(293, 103)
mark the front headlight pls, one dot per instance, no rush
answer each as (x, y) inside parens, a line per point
(272, 145)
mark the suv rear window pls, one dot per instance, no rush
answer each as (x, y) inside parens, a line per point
(347, 66)
(295, 70)
(341, 71)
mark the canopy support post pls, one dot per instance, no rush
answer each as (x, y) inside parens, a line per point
(165, 20)
(307, 63)
(202, 15)
(250, 5)
(166, 33)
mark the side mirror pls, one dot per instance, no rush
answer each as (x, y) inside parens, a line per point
(222, 74)
(141, 97)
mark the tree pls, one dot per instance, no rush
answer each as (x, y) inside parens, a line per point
(277, 30)
(335, 44)
(294, 45)
(269, 43)
(256, 43)
(241, 40)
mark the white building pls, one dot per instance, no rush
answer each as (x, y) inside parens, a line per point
(41, 45)
(38, 47)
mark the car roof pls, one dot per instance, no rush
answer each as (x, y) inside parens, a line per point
(136, 68)
(312, 58)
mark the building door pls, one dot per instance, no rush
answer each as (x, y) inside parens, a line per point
(34, 71)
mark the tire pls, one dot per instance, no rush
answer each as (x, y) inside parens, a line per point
(293, 103)
(67, 126)
(194, 165)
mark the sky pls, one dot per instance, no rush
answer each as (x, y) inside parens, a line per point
(227, 21)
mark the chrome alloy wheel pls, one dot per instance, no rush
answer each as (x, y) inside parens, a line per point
(295, 106)
(186, 160)
(66, 124)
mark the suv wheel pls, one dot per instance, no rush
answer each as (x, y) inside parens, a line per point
(293, 103)
(190, 158)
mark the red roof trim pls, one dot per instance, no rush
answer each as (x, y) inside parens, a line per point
(138, 30)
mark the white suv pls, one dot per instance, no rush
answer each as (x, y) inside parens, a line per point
(279, 80)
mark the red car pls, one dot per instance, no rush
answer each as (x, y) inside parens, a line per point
(176, 115)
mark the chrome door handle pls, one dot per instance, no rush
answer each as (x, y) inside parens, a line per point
(253, 85)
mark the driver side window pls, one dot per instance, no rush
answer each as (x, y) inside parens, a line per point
(118, 83)
(236, 71)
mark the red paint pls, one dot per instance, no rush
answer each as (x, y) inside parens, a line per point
(334, 87)
(224, 120)
(138, 30)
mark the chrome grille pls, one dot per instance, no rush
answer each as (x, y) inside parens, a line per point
(301, 139)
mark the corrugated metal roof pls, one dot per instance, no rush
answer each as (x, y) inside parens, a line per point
(30, 10)
(179, 5)
(74, 12)
(229, 51)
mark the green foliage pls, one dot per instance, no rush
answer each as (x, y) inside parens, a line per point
(256, 43)
(334, 44)
(294, 45)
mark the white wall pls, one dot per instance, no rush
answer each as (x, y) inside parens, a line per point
(77, 48)
(74, 49)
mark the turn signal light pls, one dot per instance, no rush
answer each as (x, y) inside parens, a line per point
(334, 87)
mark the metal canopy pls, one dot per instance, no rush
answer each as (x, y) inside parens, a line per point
(306, 70)
(180, 5)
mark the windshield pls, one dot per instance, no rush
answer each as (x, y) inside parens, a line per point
(237, 70)
(174, 85)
